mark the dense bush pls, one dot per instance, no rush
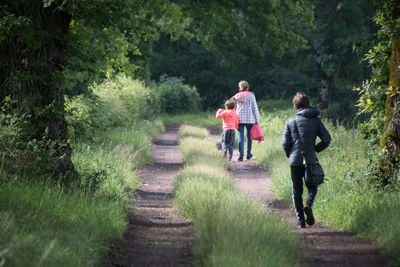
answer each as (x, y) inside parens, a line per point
(122, 101)
(114, 103)
(112, 135)
(177, 97)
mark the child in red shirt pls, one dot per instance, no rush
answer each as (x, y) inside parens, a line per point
(230, 123)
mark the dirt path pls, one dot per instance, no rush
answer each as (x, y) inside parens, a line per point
(156, 235)
(325, 246)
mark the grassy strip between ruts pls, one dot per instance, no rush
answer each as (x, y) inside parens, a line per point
(230, 228)
(345, 200)
(42, 224)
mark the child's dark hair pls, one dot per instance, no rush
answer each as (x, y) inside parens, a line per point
(229, 104)
(301, 100)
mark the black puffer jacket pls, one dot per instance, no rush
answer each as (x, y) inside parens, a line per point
(310, 126)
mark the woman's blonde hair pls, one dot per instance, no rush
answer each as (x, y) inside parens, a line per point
(243, 85)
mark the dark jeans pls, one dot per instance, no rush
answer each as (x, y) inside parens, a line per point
(297, 173)
(228, 139)
(241, 139)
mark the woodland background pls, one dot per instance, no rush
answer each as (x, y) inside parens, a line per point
(79, 80)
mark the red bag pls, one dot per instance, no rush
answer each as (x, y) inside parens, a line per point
(256, 133)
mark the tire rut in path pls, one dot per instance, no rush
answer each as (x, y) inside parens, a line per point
(156, 235)
(325, 246)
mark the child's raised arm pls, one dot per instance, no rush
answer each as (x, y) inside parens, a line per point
(219, 113)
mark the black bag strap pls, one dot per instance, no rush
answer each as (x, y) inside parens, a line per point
(301, 142)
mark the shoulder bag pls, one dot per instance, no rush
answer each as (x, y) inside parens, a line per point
(314, 174)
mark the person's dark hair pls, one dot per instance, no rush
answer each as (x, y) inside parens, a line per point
(230, 104)
(301, 100)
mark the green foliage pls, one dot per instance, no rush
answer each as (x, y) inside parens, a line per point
(268, 24)
(346, 200)
(216, 75)
(230, 228)
(112, 37)
(340, 27)
(373, 94)
(114, 103)
(112, 135)
(122, 102)
(177, 97)
(30, 159)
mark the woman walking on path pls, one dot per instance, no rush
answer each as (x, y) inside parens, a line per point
(309, 126)
(247, 110)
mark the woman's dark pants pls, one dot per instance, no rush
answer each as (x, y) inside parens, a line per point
(297, 173)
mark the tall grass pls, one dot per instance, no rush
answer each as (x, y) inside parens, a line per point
(345, 200)
(107, 167)
(230, 228)
(42, 224)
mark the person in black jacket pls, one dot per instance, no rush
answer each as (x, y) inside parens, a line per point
(309, 127)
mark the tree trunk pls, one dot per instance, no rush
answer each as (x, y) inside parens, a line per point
(326, 86)
(323, 94)
(31, 59)
(390, 141)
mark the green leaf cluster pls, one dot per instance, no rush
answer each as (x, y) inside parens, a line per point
(374, 93)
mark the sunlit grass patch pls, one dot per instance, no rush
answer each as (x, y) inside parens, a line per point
(40, 225)
(202, 151)
(238, 232)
